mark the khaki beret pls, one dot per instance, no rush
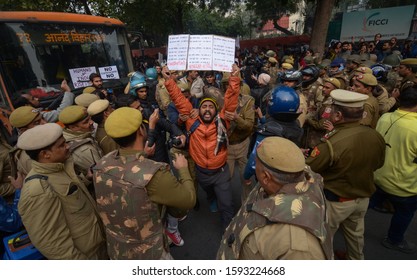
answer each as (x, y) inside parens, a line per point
(23, 116)
(289, 60)
(89, 89)
(287, 66)
(85, 99)
(278, 153)
(367, 79)
(363, 70)
(270, 53)
(72, 114)
(335, 82)
(39, 137)
(98, 106)
(348, 98)
(409, 61)
(272, 60)
(123, 122)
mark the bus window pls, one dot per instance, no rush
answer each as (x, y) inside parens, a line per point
(40, 55)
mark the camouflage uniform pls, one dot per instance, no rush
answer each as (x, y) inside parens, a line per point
(297, 211)
(130, 191)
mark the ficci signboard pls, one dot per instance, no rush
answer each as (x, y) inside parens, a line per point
(389, 22)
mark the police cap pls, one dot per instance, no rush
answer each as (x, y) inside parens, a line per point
(23, 116)
(348, 98)
(409, 62)
(39, 137)
(72, 114)
(335, 82)
(123, 122)
(367, 79)
(85, 99)
(89, 89)
(98, 106)
(278, 153)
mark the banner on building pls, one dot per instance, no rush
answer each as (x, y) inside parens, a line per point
(200, 52)
(389, 22)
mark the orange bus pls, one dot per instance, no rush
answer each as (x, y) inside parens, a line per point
(40, 49)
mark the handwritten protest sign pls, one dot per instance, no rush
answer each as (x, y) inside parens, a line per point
(200, 52)
(80, 76)
(109, 72)
(178, 51)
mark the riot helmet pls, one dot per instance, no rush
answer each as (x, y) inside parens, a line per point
(283, 104)
(313, 74)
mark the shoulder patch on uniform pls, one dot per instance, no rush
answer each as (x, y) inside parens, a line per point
(315, 152)
(364, 115)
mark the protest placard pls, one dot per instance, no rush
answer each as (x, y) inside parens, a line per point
(81, 76)
(200, 52)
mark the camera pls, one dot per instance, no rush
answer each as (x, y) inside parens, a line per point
(172, 141)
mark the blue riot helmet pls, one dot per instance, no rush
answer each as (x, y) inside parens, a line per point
(137, 81)
(283, 104)
(151, 73)
(380, 71)
(312, 72)
(292, 75)
(339, 63)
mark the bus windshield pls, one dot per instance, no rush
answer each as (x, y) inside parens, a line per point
(39, 55)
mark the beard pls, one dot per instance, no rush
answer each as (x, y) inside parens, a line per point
(207, 116)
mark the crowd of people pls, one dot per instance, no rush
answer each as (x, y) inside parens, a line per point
(317, 142)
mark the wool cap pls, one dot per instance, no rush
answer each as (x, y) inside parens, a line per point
(281, 154)
(263, 79)
(98, 106)
(39, 137)
(72, 114)
(23, 116)
(212, 100)
(85, 99)
(348, 98)
(123, 122)
(367, 79)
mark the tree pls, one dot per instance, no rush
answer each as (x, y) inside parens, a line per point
(322, 17)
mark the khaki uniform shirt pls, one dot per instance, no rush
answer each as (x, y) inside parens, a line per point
(105, 142)
(59, 214)
(86, 154)
(6, 187)
(348, 158)
(371, 112)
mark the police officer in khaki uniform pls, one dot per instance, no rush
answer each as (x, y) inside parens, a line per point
(284, 216)
(85, 99)
(346, 159)
(242, 123)
(99, 111)
(132, 191)
(56, 209)
(365, 84)
(77, 132)
(408, 71)
(23, 118)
